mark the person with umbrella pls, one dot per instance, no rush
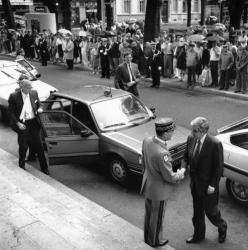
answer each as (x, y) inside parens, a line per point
(226, 62)
(68, 52)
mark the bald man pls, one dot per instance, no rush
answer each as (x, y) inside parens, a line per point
(24, 106)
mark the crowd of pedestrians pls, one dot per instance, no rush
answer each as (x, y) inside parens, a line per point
(189, 56)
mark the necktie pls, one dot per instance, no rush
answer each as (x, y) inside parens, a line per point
(197, 149)
(130, 72)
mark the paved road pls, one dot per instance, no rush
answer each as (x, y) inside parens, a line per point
(93, 183)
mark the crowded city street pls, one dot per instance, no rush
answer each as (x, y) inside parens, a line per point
(182, 104)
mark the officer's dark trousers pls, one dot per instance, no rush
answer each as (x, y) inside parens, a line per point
(32, 131)
(105, 67)
(205, 204)
(155, 77)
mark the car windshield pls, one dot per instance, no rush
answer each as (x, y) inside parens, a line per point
(5, 79)
(120, 112)
(15, 72)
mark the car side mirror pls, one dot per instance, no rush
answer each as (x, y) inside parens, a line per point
(38, 75)
(85, 133)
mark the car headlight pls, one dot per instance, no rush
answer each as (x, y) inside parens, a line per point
(140, 159)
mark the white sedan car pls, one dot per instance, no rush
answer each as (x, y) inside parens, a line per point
(10, 73)
(234, 138)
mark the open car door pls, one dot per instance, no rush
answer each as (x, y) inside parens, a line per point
(29, 67)
(67, 139)
(241, 124)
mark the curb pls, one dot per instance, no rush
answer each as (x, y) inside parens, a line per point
(172, 83)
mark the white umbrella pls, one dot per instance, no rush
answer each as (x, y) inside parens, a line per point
(64, 32)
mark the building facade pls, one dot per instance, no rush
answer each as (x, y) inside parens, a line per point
(172, 11)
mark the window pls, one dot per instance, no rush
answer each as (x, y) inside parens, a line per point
(184, 6)
(127, 6)
(141, 6)
(196, 5)
(175, 6)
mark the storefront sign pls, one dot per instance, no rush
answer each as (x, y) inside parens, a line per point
(40, 9)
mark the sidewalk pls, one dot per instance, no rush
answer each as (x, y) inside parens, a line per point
(172, 83)
(37, 212)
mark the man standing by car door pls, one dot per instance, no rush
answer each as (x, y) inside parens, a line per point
(204, 155)
(128, 75)
(24, 106)
(158, 180)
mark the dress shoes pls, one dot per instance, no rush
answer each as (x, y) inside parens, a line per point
(161, 244)
(45, 171)
(237, 90)
(23, 167)
(192, 240)
(152, 86)
(222, 236)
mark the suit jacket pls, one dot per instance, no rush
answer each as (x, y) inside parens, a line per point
(122, 76)
(16, 104)
(207, 169)
(158, 178)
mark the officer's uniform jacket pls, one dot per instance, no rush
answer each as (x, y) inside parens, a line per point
(158, 178)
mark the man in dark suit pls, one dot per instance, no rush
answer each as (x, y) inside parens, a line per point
(158, 180)
(204, 155)
(127, 75)
(24, 106)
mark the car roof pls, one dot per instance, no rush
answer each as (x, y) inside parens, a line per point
(92, 93)
(5, 63)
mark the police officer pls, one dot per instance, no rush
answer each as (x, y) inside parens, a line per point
(155, 65)
(104, 58)
(158, 180)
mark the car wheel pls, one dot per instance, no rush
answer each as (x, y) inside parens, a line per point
(238, 191)
(118, 169)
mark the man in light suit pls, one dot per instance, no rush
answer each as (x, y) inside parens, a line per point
(24, 106)
(69, 52)
(128, 75)
(204, 156)
(158, 180)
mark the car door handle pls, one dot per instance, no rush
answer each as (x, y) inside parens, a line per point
(53, 143)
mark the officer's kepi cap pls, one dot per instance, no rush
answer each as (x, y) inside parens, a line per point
(164, 124)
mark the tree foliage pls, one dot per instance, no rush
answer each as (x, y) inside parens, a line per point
(235, 11)
(189, 13)
(9, 17)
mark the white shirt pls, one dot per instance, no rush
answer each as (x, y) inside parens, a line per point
(215, 56)
(27, 109)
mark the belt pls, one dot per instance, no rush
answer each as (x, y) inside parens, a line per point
(30, 120)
